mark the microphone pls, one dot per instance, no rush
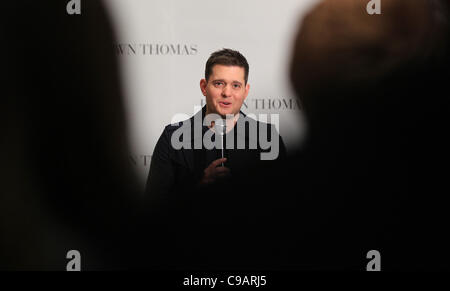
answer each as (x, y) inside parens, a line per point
(221, 129)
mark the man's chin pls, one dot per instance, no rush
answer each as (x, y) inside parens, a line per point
(224, 113)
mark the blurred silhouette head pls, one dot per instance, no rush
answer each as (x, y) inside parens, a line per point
(340, 48)
(67, 168)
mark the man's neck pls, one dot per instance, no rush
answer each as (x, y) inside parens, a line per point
(230, 121)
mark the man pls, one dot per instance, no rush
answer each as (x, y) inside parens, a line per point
(198, 153)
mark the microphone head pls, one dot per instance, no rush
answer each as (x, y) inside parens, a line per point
(220, 126)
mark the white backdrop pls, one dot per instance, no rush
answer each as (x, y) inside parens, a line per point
(163, 46)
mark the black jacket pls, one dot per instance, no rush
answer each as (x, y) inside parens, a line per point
(177, 171)
(192, 223)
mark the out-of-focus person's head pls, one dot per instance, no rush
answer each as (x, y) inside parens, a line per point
(68, 183)
(225, 85)
(340, 46)
(374, 89)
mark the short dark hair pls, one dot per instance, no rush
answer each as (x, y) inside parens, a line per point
(226, 57)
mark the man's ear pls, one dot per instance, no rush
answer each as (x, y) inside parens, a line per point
(247, 89)
(203, 86)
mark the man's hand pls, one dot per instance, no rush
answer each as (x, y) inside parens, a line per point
(213, 172)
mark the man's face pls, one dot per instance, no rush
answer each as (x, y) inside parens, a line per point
(225, 91)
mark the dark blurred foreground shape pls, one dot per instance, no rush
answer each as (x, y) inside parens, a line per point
(374, 171)
(65, 177)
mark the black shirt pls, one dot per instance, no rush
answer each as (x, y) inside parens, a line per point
(175, 172)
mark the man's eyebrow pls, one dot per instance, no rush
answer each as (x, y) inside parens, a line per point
(222, 80)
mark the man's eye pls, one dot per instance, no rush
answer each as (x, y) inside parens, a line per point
(236, 86)
(218, 83)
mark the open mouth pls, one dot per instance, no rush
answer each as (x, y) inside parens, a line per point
(225, 104)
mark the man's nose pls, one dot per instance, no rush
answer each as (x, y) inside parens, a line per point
(226, 92)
